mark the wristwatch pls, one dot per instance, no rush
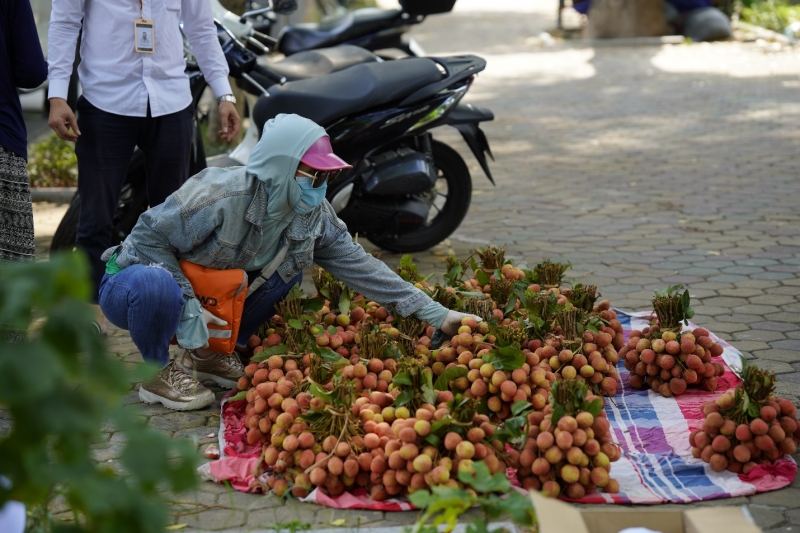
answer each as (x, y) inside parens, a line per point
(226, 98)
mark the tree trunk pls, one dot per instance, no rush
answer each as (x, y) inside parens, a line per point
(626, 18)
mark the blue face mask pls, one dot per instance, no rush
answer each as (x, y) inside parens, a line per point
(310, 197)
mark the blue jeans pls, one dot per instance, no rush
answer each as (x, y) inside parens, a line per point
(147, 301)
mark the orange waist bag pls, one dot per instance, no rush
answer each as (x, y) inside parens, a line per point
(222, 293)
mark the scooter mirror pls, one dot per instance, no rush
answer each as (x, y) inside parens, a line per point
(284, 7)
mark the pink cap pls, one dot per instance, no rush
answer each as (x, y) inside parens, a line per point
(321, 157)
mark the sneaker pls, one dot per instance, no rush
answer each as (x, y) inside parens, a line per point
(224, 370)
(176, 389)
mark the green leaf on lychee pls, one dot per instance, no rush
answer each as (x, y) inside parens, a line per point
(450, 374)
(403, 378)
(344, 302)
(404, 397)
(428, 392)
(313, 305)
(520, 406)
(594, 407)
(433, 440)
(558, 414)
(507, 358)
(439, 424)
(318, 392)
(483, 406)
(483, 480)
(241, 395)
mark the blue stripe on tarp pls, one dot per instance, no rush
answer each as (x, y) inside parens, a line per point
(640, 422)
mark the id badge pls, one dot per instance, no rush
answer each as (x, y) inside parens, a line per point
(144, 36)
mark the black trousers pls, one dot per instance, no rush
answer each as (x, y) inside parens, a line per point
(104, 152)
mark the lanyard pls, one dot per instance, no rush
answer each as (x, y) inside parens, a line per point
(141, 9)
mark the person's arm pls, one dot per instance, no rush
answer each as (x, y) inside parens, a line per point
(27, 61)
(198, 25)
(65, 25)
(336, 252)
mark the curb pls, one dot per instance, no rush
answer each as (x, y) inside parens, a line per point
(492, 527)
(763, 33)
(629, 41)
(56, 195)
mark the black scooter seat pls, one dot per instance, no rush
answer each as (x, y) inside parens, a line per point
(314, 63)
(353, 24)
(357, 88)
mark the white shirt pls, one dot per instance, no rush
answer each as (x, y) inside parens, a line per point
(116, 78)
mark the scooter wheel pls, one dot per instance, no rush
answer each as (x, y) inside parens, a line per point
(453, 192)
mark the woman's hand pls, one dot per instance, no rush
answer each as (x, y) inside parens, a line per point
(453, 321)
(210, 318)
(193, 328)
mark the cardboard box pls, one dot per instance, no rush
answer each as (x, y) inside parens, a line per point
(555, 516)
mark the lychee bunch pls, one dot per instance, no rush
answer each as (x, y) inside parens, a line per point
(670, 361)
(584, 355)
(569, 449)
(747, 426)
(408, 455)
(319, 448)
(271, 387)
(487, 378)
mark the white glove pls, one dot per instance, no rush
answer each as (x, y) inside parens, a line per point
(193, 328)
(209, 318)
(453, 320)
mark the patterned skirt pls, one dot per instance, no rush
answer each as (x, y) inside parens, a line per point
(16, 220)
(16, 211)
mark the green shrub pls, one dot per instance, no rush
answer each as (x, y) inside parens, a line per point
(59, 390)
(52, 163)
(774, 15)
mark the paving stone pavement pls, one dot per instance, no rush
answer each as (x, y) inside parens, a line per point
(642, 166)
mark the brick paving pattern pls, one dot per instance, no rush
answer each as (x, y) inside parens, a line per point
(642, 166)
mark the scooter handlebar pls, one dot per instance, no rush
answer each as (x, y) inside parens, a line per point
(270, 75)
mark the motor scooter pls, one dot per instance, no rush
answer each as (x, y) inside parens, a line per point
(370, 28)
(406, 191)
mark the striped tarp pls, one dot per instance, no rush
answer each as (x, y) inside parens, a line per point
(656, 464)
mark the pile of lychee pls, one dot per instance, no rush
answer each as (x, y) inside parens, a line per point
(593, 360)
(571, 456)
(471, 349)
(270, 387)
(375, 374)
(333, 330)
(739, 442)
(507, 271)
(670, 361)
(400, 458)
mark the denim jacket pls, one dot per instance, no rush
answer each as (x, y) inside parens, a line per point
(215, 220)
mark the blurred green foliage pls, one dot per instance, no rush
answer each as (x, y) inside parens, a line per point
(59, 389)
(52, 163)
(774, 15)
